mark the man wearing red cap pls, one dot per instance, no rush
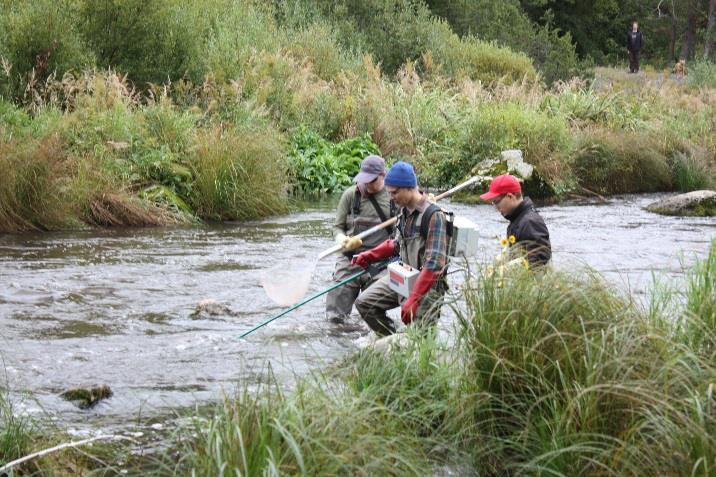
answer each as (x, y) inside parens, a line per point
(526, 225)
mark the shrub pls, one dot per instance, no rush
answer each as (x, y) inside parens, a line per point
(150, 41)
(506, 24)
(493, 128)
(318, 44)
(238, 32)
(612, 162)
(473, 58)
(41, 38)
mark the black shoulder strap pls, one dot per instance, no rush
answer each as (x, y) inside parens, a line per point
(381, 212)
(378, 210)
(356, 202)
(425, 221)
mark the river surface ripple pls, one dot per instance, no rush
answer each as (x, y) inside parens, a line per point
(115, 306)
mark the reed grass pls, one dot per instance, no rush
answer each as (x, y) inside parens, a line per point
(239, 176)
(29, 187)
(16, 431)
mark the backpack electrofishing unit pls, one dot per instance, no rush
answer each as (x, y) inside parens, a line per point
(462, 242)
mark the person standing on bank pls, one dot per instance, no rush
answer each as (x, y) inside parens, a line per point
(526, 225)
(361, 207)
(421, 242)
(635, 42)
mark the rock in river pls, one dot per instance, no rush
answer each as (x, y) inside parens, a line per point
(85, 398)
(699, 203)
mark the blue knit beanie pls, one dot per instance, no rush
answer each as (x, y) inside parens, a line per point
(401, 174)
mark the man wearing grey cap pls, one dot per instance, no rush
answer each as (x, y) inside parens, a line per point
(361, 207)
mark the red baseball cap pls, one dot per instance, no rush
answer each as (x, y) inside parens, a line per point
(500, 185)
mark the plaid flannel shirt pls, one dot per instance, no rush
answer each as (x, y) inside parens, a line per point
(436, 242)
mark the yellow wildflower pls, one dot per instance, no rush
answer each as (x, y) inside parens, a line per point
(525, 264)
(512, 239)
(503, 242)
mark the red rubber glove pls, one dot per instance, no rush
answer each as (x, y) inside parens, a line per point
(381, 252)
(423, 284)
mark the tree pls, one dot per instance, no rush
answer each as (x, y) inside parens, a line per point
(688, 47)
(710, 37)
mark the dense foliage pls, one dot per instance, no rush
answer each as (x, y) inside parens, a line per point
(141, 113)
(318, 166)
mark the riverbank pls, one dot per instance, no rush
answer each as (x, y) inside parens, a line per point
(107, 157)
(585, 380)
(254, 103)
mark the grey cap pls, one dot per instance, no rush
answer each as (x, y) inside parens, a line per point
(371, 167)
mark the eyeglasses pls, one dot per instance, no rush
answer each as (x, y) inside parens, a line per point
(497, 201)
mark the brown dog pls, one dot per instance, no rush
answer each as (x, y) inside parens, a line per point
(680, 68)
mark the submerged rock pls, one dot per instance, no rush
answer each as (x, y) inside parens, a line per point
(85, 398)
(212, 308)
(699, 203)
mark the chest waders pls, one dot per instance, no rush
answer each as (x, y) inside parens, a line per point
(373, 303)
(373, 213)
(412, 242)
(366, 212)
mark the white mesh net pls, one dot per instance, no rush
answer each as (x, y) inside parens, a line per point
(287, 285)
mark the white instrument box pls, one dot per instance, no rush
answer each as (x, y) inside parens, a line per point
(463, 242)
(402, 277)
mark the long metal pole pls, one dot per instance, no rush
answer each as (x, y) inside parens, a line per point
(332, 287)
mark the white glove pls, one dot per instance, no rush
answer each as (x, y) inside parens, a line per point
(340, 238)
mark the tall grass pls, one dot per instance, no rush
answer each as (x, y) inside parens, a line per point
(565, 377)
(16, 432)
(611, 162)
(700, 313)
(552, 374)
(239, 176)
(30, 193)
(702, 74)
(382, 418)
(692, 171)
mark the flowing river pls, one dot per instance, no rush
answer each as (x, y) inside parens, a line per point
(116, 307)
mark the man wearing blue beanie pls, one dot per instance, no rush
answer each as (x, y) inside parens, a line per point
(421, 241)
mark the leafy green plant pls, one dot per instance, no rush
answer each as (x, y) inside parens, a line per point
(319, 166)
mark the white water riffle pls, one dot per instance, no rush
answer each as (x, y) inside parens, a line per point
(116, 307)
